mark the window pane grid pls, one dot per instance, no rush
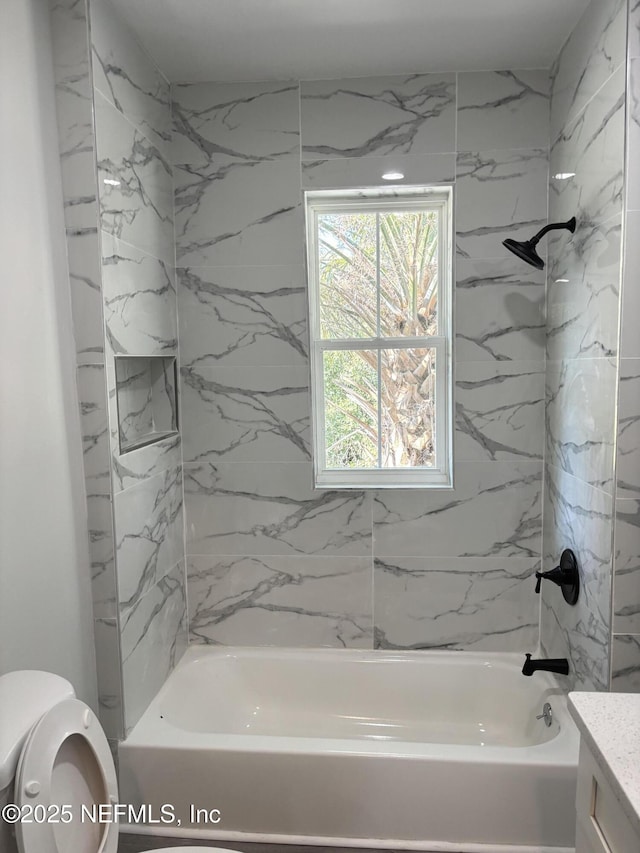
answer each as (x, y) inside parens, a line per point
(410, 417)
(409, 425)
(350, 264)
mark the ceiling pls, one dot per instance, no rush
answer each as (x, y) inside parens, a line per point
(198, 40)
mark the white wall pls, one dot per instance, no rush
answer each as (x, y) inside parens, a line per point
(45, 598)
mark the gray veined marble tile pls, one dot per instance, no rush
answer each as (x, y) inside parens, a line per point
(92, 396)
(135, 184)
(243, 414)
(634, 29)
(83, 253)
(595, 48)
(242, 315)
(592, 147)
(499, 310)
(499, 194)
(138, 465)
(107, 643)
(153, 639)
(633, 133)
(583, 291)
(149, 534)
(625, 663)
(127, 76)
(493, 511)
(242, 213)
(216, 124)
(357, 172)
(579, 517)
(364, 117)
(74, 110)
(584, 642)
(503, 109)
(628, 446)
(451, 603)
(102, 555)
(580, 419)
(629, 337)
(71, 41)
(81, 211)
(96, 457)
(626, 581)
(499, 410)
(237, 177)
(281, 601)
(139, 300)
(268, 508)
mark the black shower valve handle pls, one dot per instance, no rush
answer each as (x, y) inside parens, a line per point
(559, 576)
(565, 575)
(539, 578)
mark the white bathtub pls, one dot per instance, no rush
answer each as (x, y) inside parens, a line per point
(420, 750)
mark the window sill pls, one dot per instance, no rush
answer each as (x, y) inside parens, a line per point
(362, 480)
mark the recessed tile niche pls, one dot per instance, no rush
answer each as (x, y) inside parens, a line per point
(147, 402)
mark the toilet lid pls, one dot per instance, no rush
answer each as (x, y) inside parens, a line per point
(66, 761)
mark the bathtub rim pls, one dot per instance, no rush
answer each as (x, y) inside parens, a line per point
(560, 750)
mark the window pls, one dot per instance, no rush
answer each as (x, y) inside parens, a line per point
(380, 311)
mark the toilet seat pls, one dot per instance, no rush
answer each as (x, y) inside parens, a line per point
(66, 760)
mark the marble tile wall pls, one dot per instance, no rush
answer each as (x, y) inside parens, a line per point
(135, 195)
(74, 106)
(583, 296)
(625, 668)
(114, 112)
(270, 560)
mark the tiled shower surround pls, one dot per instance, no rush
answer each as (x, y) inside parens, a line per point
(625, 670)
(209, 177)
(270, 560)
(587, 138)
(114, 113)
(419, 569)
(132, 122)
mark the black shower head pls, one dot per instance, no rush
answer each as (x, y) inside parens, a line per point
(527, 249)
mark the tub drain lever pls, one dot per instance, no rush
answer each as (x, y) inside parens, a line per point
(565, 575)
(546, 715)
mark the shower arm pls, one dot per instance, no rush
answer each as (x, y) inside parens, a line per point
(570, 225)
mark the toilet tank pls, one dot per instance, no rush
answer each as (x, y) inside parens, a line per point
(25, 695)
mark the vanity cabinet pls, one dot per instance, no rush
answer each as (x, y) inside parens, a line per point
(601, 823)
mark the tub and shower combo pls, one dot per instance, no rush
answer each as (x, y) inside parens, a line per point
(416, 750)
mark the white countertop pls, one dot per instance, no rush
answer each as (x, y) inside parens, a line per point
(610, 725)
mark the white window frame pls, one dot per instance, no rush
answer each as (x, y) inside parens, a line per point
(377, 201)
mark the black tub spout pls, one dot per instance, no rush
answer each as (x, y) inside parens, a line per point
(558, 665)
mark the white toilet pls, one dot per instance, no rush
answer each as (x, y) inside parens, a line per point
(53, 751)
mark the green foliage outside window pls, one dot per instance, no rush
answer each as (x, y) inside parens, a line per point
(378, 275)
